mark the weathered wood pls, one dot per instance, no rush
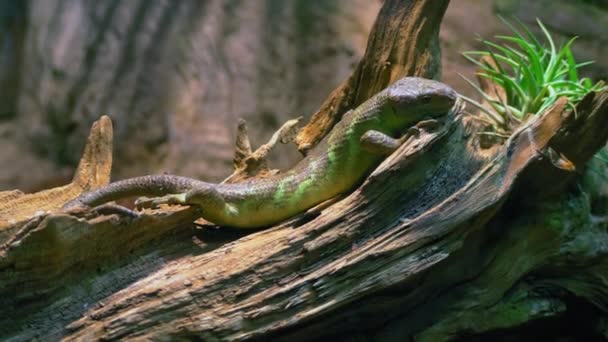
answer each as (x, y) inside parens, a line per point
(427, 233)
(443, 240)
(93, 172)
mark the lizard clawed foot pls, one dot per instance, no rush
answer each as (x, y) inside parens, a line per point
(75, 209)
(156, 202)
(82, 210)
(144, 203)
(109, 209)
(428, 125)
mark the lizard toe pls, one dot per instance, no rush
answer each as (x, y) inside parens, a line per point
(144, 203)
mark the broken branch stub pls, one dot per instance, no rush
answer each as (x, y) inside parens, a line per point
(248, 163)
(93, 172)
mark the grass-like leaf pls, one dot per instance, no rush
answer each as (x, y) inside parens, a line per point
(534, 73)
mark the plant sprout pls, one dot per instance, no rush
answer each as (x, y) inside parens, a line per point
(533, 74)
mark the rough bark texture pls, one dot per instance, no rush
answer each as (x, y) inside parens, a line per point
(444, 239)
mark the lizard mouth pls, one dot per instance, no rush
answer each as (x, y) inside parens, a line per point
(443, 106)
(442, 114)
(440, 105)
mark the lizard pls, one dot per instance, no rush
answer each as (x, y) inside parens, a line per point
(357, 143)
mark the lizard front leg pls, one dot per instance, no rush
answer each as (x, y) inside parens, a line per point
(382, 144)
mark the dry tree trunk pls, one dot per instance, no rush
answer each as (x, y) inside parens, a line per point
(443, 240)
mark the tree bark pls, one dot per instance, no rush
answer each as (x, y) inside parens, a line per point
(443, 240)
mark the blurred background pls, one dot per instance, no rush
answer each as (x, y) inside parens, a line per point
(175, 75)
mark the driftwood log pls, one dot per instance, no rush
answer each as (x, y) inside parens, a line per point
(445, 239)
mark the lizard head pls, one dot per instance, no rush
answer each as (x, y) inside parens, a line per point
(417, 98)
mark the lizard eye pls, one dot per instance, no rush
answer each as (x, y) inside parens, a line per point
(426, 99)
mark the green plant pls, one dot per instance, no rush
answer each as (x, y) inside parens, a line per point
(532, 74)
(602, 155)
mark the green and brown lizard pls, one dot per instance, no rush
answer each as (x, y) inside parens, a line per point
(355, 146)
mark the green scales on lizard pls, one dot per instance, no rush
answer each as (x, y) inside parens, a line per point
(355, 146)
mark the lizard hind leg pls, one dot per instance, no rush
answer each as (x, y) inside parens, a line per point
(155, 202)
(207, 198)
(213, 205)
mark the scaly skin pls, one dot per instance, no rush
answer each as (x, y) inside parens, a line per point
(338, 163)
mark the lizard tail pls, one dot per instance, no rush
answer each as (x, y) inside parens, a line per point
(154, 185)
